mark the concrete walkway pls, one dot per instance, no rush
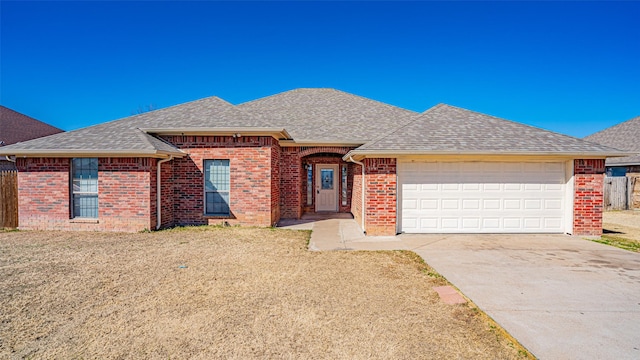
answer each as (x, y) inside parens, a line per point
(562, 297)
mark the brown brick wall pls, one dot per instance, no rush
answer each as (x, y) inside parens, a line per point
(123, 195)
(314, 160)
(291, 177)
(293, 181)
(275, 182)
(250, 161)
(588, 197)
(380, 197)
(166, 198)
(356, 194)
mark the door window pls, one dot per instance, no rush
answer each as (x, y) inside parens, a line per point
(327, 179)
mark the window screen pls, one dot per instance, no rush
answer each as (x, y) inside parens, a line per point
(216, 187)
(84, 188)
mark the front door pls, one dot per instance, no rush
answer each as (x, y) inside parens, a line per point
(326, 187)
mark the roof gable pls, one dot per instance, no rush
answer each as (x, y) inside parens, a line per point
(449, 129)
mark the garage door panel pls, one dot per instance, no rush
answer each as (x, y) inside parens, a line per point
(491, 187)
(533, 204)
(471, 204)
(552, 204)
(482, 197)
(429, 223)
(429, 204)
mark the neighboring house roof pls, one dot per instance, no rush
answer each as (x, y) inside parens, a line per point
(329, 115)
(313, 117)
(16, 127)
(446, 129)
(624, 136)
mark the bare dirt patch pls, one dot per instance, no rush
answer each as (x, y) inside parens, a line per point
(225, 293)
(624, 224)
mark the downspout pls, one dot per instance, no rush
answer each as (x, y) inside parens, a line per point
(361, 192)
(159, 192)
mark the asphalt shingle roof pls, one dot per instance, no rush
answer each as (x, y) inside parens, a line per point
(624, 136)
(16, 127)
(320, 116)
(449, 129)
(328, 115)
(124, 135)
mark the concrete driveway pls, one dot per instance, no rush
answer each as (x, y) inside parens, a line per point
(561, 297)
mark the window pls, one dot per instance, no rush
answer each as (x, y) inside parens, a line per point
(344, 185)
(216, 187)
(309, 184)
(84, 188)
(326, 175)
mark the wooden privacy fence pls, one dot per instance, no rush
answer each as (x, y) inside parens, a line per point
(618, 193)
(8, 199)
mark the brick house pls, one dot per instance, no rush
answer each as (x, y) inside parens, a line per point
(623, 136)
(312, 150)
(16, 127)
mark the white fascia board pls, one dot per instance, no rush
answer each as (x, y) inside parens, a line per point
(360, 154)
(95, 153)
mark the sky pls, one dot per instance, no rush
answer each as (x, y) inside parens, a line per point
(571, 67)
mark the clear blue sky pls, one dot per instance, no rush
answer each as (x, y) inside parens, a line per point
(570, 67)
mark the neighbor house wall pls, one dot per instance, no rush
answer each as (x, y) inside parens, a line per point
(123, 195)
(588, 197)
(251, 175)
(380, 196)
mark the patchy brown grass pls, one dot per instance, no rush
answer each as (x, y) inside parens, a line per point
(232, 293)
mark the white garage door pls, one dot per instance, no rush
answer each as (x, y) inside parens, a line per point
(489, 197)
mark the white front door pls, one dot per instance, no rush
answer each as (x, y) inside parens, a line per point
(326, 187)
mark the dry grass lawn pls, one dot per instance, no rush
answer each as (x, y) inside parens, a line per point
(624, 224)
(232, 293)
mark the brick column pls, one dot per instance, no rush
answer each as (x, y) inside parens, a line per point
(380, 196)
(588, 197)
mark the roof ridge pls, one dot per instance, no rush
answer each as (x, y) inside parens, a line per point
(281, 93)
(330, 89)
(144, 136)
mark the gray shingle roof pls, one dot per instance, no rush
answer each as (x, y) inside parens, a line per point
(328, 115)
(625, 136)
(449, 129)
(125, 136)
(314, 115)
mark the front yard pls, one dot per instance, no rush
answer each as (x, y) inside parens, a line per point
(225, 293)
